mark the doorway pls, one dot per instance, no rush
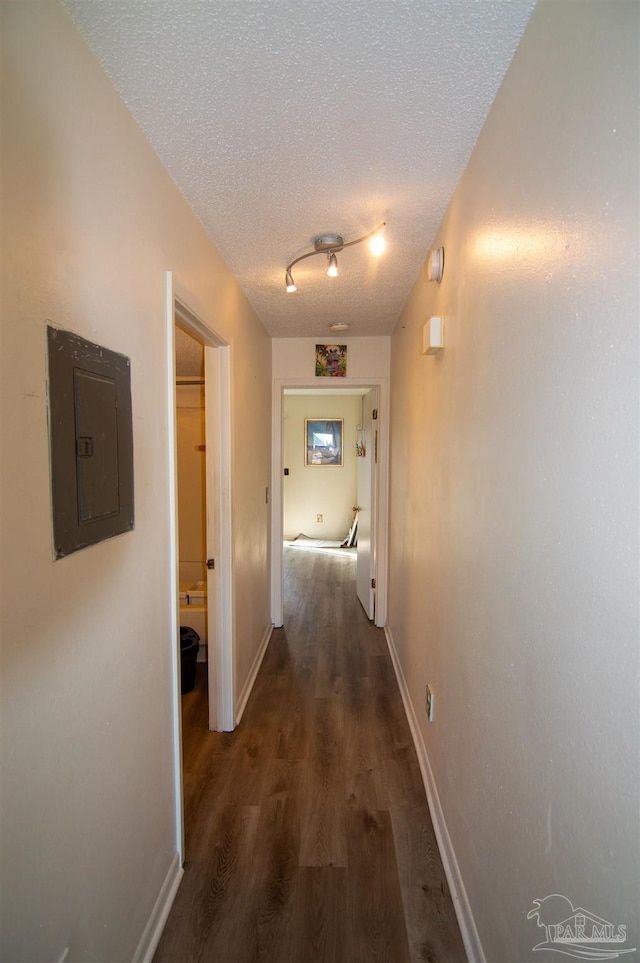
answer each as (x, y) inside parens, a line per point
(192, 498)
(217, 483)
(217, 388)
(374, 559)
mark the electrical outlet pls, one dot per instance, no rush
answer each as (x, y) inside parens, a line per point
(429, 703)
(319, 518)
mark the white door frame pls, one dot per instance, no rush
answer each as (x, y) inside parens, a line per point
(218, 414)
(381, 481)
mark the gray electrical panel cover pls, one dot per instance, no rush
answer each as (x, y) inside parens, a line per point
(91, 442)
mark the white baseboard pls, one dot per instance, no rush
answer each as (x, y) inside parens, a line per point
(243, 698)
(155, 924)
(461, 904)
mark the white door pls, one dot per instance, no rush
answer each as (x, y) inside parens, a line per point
(218, 538)
(211, 392)
(366, 506)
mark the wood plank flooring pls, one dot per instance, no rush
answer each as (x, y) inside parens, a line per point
(308, 837)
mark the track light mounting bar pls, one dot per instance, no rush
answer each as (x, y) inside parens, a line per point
(327, 244)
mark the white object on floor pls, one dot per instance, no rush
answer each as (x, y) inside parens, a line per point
(193, 612)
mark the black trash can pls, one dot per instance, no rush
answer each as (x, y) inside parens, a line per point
(189, 645)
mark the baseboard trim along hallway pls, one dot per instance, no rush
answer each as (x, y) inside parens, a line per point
(243, 698)
(461, 904)
(155, 925)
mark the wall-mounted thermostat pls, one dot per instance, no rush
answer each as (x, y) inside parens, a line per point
(433, 335)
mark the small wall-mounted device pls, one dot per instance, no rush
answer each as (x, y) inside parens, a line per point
(435, 264)
(429, 702)
(433, 335)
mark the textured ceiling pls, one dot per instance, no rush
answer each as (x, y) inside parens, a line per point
(283, 119)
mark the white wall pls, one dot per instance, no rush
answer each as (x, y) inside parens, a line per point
(91, 223)
(331, 490)
(514, 521)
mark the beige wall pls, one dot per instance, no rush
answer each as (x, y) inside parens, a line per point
(295, 358)
(514, 522)
(91, 223)
(190, 440)
(308, 491)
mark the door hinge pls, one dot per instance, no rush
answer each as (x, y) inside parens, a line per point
(211, 563)
(373, 583)
(375, 414)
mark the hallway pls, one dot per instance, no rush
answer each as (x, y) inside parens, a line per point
(308, 836)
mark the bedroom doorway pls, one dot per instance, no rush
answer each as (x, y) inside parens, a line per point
(321, 511)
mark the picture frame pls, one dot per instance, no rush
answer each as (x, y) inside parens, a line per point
(331, 361)
(323, 445)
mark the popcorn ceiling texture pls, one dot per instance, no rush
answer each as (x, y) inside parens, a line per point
(283, 119)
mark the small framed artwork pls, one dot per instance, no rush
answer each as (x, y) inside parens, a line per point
(323, 442)
(331, 361)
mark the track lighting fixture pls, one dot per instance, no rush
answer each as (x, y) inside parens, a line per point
(329, 244)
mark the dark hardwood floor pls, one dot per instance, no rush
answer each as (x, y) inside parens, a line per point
(308, 836)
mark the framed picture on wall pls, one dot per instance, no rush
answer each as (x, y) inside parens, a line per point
(323, 442)
(331, 361)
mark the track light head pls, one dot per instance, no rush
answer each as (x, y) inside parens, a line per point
(377, 244)
(289, 282)
(332, 270)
